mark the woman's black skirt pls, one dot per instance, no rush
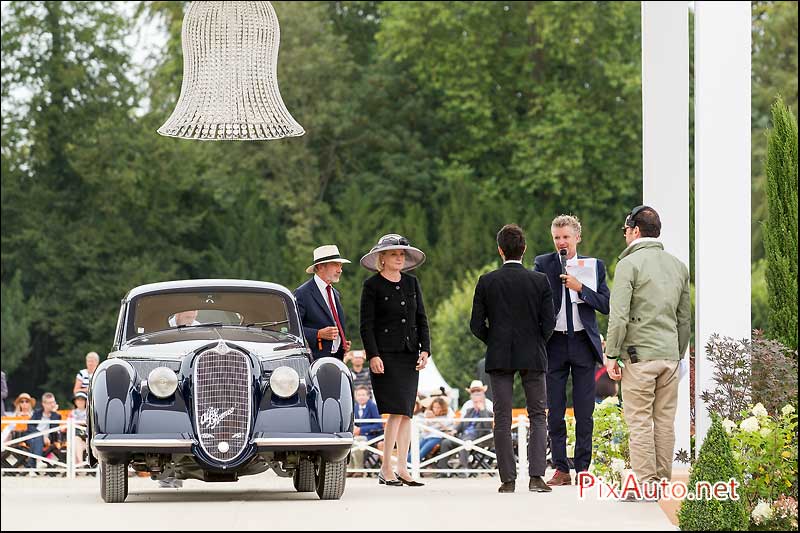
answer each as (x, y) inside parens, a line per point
(395, 391)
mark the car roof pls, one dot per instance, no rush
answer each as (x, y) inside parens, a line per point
(206, 283)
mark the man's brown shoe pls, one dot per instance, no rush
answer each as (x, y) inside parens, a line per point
(508, 486)
(560, 478)
(537, 484)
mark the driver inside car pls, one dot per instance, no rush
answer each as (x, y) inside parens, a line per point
(184, 318)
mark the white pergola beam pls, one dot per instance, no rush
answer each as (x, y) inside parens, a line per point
(665, 144)
(722, 183)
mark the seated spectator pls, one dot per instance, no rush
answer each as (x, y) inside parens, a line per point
(4, 387)
(366, 409)
(24, 404)
(48, 411)
(365, 431)
(440, 417)
(84, 377)
(78, 414)
(469, 429)
(360, 373)
(477, 386)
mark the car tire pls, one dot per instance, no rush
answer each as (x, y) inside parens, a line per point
(113, 482)
(330, 479)
(304, 477)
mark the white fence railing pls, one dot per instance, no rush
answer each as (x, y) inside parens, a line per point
(17, 454)
(17, 451)
(481, 449)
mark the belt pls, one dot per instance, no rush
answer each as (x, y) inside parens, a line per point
(579, 332)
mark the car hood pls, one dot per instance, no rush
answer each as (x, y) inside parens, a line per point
(178, 350)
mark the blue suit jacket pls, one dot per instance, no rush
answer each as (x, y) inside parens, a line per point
(550, 264)
(369, 429)
(315, 315)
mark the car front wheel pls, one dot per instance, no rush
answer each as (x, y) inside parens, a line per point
(304, 477)
(113, 482)
(330, 479)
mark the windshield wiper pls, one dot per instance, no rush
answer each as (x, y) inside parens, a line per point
(209, 325)
(263, 325)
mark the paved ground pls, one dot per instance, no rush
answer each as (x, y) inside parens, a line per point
(266, 502)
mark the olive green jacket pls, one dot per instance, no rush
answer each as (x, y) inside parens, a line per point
(650, 305)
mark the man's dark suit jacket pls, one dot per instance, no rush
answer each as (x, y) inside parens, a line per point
(550, 264)
(315, 315)
(518, 306)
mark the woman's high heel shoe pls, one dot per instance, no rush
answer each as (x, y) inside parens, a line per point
(410, 483)
(390, 482)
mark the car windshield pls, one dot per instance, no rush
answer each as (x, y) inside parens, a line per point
(178, 310)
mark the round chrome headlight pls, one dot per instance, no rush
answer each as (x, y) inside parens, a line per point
(162, 381)
(284, 381)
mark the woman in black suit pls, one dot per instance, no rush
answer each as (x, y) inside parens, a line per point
(394, 330)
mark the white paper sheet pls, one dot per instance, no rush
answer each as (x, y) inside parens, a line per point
(586, 271)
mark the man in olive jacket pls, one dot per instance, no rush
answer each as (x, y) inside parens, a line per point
(648, 329)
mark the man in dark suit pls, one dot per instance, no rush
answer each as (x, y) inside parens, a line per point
(574, 347)
(518, 306)
(320, 307)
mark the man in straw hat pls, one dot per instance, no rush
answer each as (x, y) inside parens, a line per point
(320, 306)
(477, 386)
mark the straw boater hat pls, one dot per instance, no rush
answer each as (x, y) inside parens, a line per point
(24, 396)
(328, 253)
(414, 256)
(477, 385)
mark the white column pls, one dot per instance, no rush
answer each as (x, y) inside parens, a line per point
(722, 183)
(665, 143)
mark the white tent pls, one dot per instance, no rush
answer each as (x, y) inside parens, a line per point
(430, 380)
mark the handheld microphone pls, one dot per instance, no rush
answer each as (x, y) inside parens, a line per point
(563, 254)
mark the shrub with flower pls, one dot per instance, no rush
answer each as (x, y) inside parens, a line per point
(610, 441)
(765, 448)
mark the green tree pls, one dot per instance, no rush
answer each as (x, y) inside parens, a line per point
(780, 232)
(16, 320)
(715, 463)
(774, 72)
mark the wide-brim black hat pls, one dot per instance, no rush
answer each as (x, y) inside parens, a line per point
(414, 256)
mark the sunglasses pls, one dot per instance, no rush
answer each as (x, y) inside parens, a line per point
(401, 241)
(24, 401)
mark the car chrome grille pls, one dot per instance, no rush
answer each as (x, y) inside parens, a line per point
(222, 401)
(298, 363)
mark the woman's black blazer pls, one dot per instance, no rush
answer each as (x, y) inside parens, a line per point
(393, 316)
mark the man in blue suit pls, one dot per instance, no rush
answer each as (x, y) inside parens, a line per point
(320, 307)
(574, 347)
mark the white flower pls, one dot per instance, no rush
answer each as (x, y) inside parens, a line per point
(760, 410)
(728, 425)
(617, 465)
(762, 512)
(787, 409)
(750, 425)
(765, 431)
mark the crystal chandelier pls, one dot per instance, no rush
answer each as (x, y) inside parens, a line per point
(230, 82)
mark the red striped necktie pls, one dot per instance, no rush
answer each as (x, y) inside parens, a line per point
(336, 315)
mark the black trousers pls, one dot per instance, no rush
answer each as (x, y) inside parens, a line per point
(567, 354)
(533, 383)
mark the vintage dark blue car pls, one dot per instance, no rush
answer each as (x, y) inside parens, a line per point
(213, 380)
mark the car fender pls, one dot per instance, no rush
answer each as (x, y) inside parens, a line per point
(114, 398)
(331, 395)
